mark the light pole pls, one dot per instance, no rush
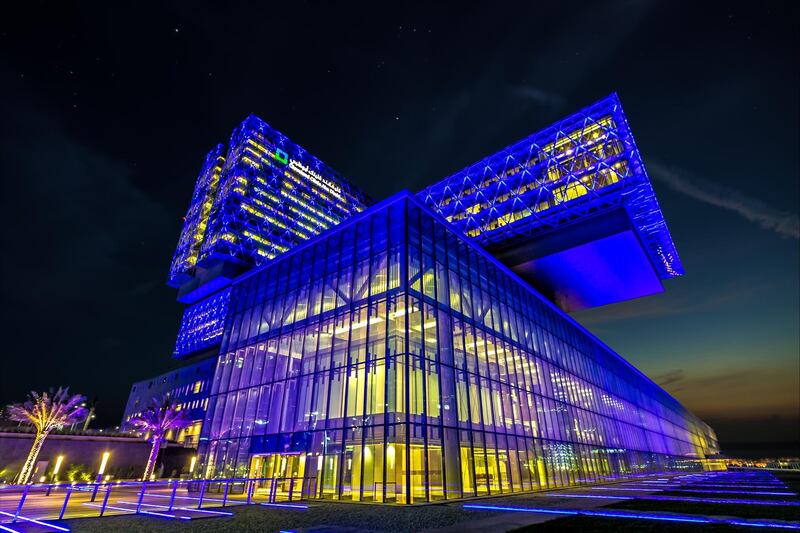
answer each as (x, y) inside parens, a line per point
(54, 474)
(89, 418)
(103, 463)
(57, 467)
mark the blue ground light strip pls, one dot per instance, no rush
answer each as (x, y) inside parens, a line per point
(133, 511)
(285, 505)
(34, 521)
(680, 489)
(189, 509)
(190, 498)
(4, 528)
(748, 492)
(640, 516)
(679, 499)
(708, 487)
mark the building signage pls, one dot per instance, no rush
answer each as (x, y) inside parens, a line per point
(313, 176)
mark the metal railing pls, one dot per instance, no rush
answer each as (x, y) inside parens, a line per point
(180, 499)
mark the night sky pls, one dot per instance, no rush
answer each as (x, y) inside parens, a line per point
(106, 115)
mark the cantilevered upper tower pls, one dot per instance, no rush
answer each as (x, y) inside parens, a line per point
(569, 208)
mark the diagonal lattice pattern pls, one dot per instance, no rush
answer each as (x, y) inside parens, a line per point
(583, 165)
(264, 196)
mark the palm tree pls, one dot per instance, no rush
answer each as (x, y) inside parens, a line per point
(45, 412)
(161, 416)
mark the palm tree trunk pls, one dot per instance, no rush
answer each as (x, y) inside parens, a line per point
(27, 468)
(151, 461)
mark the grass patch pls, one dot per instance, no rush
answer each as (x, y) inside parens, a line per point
(398, 519)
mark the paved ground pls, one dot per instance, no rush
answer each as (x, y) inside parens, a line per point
(122, 499)
(645, 495)
(119, 499)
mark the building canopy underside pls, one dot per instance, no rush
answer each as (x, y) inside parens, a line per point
(570, 208)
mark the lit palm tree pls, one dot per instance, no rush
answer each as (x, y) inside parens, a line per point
(45, 412)
(161, 416)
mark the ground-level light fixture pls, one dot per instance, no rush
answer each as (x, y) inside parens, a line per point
(57, 467)
(103, 463)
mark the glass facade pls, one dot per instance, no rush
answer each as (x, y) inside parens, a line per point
(196, 219)
(263, 196)
(202, 324)
(392, 360)
(188, 387)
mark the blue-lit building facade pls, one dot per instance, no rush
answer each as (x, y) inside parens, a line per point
(420, 349)
(393, 360)
(569, 208)
(255, 200)
(255, 197)
(188, 387)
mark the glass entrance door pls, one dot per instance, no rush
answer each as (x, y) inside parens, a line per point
(281, 476)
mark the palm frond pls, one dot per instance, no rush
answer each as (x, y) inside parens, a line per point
(47, 411)
(159, 417)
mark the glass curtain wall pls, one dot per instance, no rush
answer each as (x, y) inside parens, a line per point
(391, 361)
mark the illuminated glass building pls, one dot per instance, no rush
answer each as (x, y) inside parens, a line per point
(419, 349)
(569, 208)
(391, 359)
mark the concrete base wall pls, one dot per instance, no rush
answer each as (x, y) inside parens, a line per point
(127, 459)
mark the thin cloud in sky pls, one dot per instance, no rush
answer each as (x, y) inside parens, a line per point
(542, 97)
(783, 223)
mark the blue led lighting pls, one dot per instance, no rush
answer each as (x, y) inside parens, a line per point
(653, 489)
(611, 514)
(191, 509)
(751, 492)
(745, 484)
(256, 200)
(738, 485)
(640, 516)
(194, 228)
(186, 498)
(202, 324)
(286, 505)
(583, 164)
(519, 509)
(761, 524)
(680, 499)
(134, 511)
(682, 488)
(34, 521)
